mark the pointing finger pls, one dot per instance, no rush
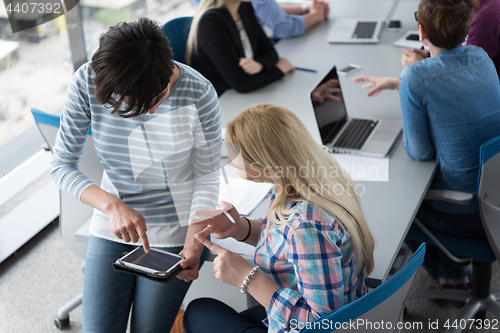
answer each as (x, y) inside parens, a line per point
(201, 237)
(144, 239)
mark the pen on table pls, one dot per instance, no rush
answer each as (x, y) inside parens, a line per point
(306, 69)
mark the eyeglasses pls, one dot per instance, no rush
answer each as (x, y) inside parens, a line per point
(416, 16)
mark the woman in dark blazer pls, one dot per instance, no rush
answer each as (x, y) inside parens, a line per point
(228, 46)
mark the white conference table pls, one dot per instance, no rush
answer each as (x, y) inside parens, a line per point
(389, 207)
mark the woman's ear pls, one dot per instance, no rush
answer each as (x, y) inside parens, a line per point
(421, 33)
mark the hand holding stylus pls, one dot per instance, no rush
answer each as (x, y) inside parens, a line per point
(222, 226)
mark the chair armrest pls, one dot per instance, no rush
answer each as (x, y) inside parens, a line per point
(460, 198)
(460, 261)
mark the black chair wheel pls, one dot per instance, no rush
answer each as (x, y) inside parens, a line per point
(61, 323)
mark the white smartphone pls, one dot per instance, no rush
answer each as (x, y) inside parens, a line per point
(349, 69)
(156, 261)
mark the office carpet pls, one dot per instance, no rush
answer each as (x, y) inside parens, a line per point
(44, 275)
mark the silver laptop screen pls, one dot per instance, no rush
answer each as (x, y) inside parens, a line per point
(329, 107)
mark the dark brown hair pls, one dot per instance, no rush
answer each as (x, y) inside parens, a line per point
(446, 22)
(133, 61)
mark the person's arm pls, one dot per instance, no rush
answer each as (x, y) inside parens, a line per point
(282, 23)
(215, 39)
(292, 9)
(263, 49)
(316, 257)
(72, 135)
(221, 227)
(206, 159)
(316, 12)
(232, 268)
(377, 83)
(416, 127)
(125, 222)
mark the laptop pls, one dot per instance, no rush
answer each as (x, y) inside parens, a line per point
(343, 134)
(359, 31)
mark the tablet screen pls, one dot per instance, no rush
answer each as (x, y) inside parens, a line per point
(155, 260)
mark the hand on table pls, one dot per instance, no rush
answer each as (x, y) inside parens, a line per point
(412, 55)
(319, 8)
(229, 267)
(377, 83)
(128, 224)
(251, 66)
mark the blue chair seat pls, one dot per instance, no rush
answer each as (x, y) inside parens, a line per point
(475, 248)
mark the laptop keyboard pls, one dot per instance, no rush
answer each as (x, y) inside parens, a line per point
(356, 133)
(364, 30)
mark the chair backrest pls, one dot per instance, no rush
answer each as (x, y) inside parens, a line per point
(488, 193)
(177, 31)
(73, 213)
(383, 304)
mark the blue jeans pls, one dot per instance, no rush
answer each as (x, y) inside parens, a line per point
(437, 264)
(109, 295)
(208, 315)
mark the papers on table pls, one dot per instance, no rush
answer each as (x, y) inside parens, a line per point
(246, 194)
(363, 168)
(233, 245)
(410, 40)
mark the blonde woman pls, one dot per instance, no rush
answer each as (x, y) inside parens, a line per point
(314, 248)
(227, 45)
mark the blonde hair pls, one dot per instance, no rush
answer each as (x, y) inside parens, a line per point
(192, 41)
(273, 140)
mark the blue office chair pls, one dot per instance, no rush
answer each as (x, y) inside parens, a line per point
(177, 31)
(384, 303)
(478, 251)
(73, 214)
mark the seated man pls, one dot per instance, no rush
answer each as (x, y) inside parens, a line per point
(289, 20)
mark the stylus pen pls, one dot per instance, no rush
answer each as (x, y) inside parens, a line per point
(227, 215)
(306, 69)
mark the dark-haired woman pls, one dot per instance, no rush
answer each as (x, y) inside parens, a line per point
(156, 129)
(451, 106)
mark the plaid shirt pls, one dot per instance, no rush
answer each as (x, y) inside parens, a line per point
(314, 264)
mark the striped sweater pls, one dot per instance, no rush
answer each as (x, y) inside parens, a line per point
(163, 165)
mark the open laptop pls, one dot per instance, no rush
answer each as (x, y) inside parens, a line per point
(342, 134)
(359, 31)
